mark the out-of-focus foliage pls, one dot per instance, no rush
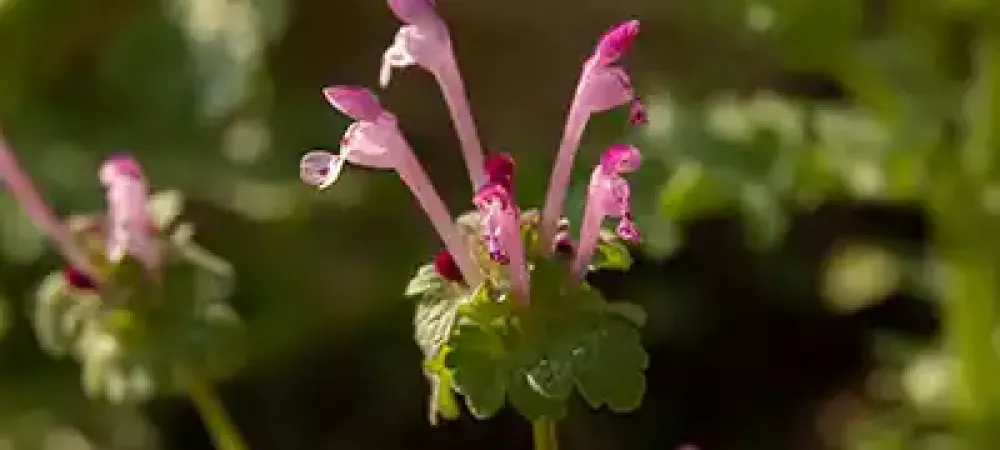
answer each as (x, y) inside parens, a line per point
(761, 112)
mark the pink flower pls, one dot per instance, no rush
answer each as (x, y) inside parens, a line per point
(602, 86)
(131, 228)
(23, 190)
(607, 196)
(501, 233)
(424, 41)
(375, 141)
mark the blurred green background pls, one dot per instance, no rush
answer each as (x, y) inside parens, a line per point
(818, 197)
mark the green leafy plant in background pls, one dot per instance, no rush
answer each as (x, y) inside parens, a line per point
(504, 313)
(919, 129)
(139, 305)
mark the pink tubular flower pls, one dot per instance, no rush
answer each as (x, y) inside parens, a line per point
(131, 227)
(607, 196)
(424, 41)
(602, 86)
(375, 141)
(501, 228)
(20, 186)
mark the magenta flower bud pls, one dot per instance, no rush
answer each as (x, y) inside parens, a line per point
(608, 195)
(355, 102)
(500, 170)
(445, 266)
(76, 279)
(499, 166)
(414, 11)
(616, 42)
(131, 231)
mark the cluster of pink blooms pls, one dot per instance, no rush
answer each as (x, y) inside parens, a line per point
(374, 140)
(127, 229)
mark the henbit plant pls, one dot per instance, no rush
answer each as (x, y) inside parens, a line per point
(139, 304)
(504, 311)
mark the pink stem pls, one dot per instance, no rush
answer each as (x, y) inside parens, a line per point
(453, 90)
(414, 176)
(590, 234)
(519, 278)
(24, 192)
(576, 122)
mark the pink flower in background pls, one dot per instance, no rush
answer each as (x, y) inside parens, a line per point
(19, 184)
(131, 229)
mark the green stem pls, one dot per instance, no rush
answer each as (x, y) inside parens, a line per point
(544, 434)
(220, 426)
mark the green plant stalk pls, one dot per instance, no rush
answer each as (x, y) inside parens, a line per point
(543, 432)
(224, 433)
(965, 238)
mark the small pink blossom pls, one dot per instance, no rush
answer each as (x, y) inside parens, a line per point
(602, 86)
(131, 231)
(375, 141)
(501, 233)
(608, 195)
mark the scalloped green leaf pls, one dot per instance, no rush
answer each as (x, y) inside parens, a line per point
(435, 316)
(480, 370)
(611, 255)
(628, 311)
(426, 280)
(612, 364)
(530, 403)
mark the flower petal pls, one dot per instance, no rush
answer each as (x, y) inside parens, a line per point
(414, 11)
(606, 88)
(616, 42)
(620, 158)
(368, 144)
(423, 45)
(355, 102)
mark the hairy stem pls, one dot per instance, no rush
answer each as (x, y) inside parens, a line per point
(217, 422)
(555, 196)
